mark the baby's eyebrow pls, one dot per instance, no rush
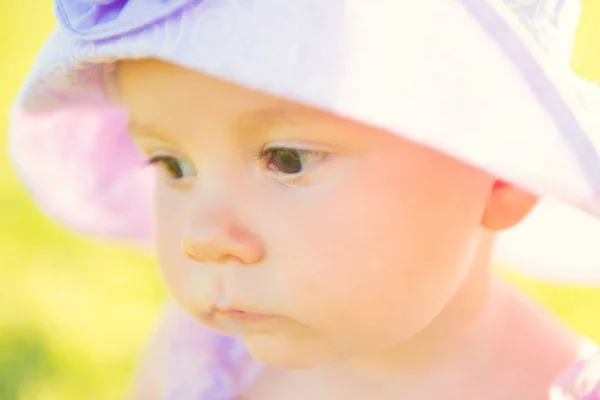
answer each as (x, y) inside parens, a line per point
(264, 120)
(138, 128)
(248, 123)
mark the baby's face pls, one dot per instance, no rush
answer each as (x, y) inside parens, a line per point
(321, 239)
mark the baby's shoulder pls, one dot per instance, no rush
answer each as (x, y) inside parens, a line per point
(582, 380)
(536, 350)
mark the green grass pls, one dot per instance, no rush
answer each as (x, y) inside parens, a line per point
(74, 314)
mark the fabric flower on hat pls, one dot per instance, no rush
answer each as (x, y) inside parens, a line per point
(105, 19)
(99, 2)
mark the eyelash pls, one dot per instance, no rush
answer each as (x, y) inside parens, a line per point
(299, 155)
(162, 160)
(295, 157)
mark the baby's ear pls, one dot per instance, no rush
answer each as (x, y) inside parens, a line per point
(506, 206)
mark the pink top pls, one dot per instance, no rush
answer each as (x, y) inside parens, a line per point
(205, 365)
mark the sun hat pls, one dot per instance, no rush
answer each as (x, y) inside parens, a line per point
(485, 81)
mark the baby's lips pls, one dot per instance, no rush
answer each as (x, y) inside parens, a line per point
(105, 19)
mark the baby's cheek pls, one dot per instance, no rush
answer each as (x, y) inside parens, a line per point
(359, 272)
(170, 219)
(355, 312)
(336, 285)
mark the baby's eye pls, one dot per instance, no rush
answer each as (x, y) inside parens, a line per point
(174, 167)
(289, 161)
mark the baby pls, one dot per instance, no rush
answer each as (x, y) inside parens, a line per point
(334, 248)
(326, 183)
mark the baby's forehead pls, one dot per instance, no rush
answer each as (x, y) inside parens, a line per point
(165, 86)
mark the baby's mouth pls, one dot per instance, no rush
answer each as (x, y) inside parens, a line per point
(239, 321)
(239, 314)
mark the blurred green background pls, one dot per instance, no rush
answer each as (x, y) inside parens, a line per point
(75, 314)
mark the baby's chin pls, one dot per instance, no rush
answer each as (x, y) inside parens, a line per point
(291, 353)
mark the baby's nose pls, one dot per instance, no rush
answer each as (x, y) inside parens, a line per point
(219, 238)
